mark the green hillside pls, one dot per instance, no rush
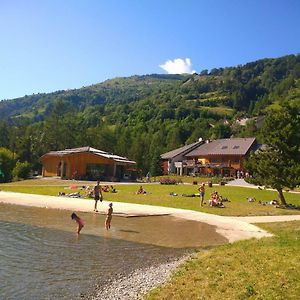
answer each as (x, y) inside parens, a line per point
(144, 116)
(117, 90)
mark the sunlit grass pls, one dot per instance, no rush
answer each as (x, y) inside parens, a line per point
(160, 195)
(221, 110)
(255, 269)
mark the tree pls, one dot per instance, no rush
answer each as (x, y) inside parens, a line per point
(7, 163)
(4, 136)
(278, 165)
(21, 170)
(155, 164)
(54, 127)
(204, 72)
(220, 131)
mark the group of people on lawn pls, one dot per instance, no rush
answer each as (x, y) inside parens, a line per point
(215, 198)
(96, 193)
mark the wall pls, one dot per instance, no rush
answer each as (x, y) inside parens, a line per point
(75, 164)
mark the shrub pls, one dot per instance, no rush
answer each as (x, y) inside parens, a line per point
(21, 170)
(167, 181)
(7, 163)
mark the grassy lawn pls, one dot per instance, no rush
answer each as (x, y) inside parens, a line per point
(255, 269)
(268, 268)
(160, 195)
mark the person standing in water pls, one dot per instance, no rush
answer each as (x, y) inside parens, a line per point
(108, 216)
(202, 192)
(79, 221)
(97, 194)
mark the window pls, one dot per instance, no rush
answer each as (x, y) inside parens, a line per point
(95, 171)
(236, 147)
(224, 147)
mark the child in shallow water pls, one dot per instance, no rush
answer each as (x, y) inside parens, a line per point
(79, 221)
(108, 216)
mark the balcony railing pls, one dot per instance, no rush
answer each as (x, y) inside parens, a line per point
(190, 163)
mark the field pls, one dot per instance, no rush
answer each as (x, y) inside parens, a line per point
(255, 269)
(160, 195)
(268, 268)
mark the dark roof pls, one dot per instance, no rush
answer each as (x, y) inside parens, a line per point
(233, 146)
(117, 158)
(182, 150)
(75, 150)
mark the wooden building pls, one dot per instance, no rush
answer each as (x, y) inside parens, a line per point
(224, 157)
(172, 161)
(87, 163)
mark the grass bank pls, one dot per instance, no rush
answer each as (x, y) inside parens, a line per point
(160, 195)
(255, 269)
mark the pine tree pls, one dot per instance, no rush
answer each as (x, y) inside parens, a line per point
(277, 165)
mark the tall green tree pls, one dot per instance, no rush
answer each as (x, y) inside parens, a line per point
(55, 133)
(220, 131)
(7, 163)
(155, 167)
(4, 136)
(278, 164)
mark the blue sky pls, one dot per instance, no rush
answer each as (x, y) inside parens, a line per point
(49, 45)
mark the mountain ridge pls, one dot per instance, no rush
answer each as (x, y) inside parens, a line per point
(141, 117)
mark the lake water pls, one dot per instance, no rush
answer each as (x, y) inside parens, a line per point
(41, 256)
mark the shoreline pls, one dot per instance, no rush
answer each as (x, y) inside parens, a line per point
(135, 285)
(138, 283)
(230, 228)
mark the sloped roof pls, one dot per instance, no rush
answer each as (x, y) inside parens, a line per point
(182, 150)
(233, 146)
(114, 157)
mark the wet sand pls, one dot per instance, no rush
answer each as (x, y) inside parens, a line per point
(207, 230)
(229, 228)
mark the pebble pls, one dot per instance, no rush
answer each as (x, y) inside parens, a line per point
(136, 284)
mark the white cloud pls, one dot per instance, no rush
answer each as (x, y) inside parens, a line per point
(178, 66)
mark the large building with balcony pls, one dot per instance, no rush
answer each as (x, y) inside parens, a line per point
(172, 160)
(223, 157)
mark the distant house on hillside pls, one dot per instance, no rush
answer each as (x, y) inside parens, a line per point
(87, 163)
(172, 161)
(224, 157)
(258, 121)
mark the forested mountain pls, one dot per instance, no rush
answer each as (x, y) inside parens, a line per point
(143, 116)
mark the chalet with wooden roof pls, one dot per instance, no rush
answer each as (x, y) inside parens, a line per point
(87, 163)
(224, 157)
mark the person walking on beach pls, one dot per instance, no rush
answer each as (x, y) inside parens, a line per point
(202, 192)
(79, 221)
(108, 216)
(97, 194)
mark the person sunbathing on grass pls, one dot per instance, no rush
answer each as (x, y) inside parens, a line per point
(188, 195)
(251, 199)
(105, 188)
(112, 189)
(215, 200)
(141, 191)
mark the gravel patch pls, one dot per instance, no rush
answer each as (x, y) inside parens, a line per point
(136, 284)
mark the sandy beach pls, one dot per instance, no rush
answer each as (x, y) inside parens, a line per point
(233, 229)
(135, 285)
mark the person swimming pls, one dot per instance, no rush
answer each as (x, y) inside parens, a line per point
(79, 221)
